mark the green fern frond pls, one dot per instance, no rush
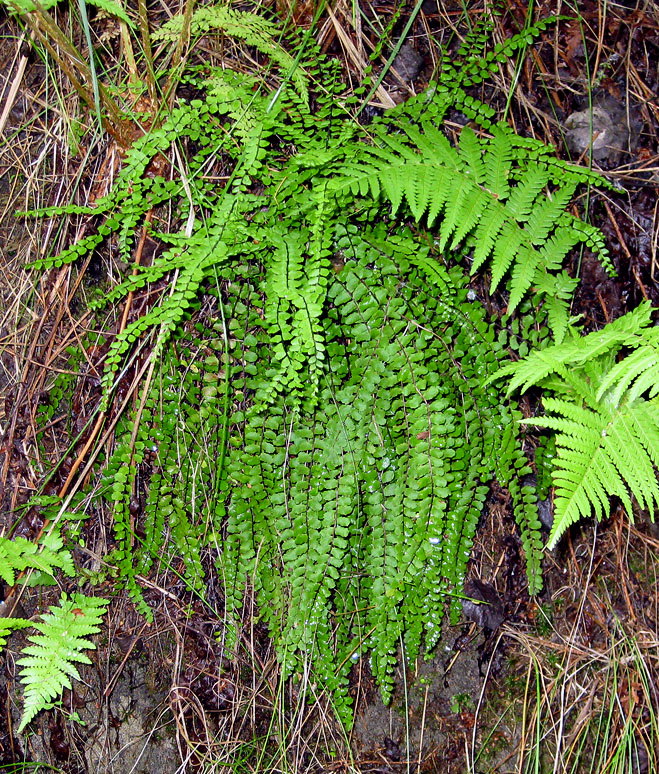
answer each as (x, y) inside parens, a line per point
(605, 417)
(254, 29)
(45, 557)
(637, 373)
(630, 330)
(483, 196)
(50, 662)
(599, 455)
(498, 164)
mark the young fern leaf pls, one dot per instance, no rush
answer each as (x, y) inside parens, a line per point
(45, 557)
(49, 663)
(605, 417)
(599, 455)
(250, 27)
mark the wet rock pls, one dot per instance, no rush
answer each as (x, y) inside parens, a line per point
(485, 607)
(545, 513)
(138, 737)
(133, 731)
(393, 735)
(607, 129)
(408, 63)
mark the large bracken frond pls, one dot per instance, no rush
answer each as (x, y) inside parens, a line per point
(511, 214)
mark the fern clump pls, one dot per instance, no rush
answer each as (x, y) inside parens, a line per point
(605, 416)
(324, 427)
(374, 493)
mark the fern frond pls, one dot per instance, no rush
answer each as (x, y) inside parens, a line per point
(253, 28)
(482, 194)
(50, 662)
(636, 373)
(525, 193)
(45, 557)
(498, 163)
(605, 417)
(599, 455)
(627, 331)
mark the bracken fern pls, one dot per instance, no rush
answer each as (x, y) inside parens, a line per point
(605, 417)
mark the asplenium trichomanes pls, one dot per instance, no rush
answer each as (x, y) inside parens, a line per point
(340, 370)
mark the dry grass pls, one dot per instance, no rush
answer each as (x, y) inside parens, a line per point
(583, 684)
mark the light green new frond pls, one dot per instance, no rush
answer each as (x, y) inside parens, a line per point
(505, 251)
(472, 154)
(522, 277)
(628, 330)
(557, 246)
(486, 234)
(520, 202)
(45, 557)
(433, 144)
(49, 663)
(636, 373)
(462, 213)
(600, 455)
(546, 214)
(253, 28)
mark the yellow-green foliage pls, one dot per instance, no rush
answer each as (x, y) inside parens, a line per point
(605, 414)
(49, 662)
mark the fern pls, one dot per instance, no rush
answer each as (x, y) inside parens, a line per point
(252, 28)
(524, 233)
(325, 424)
(45, 557)
(605, 416)
(49, 663)
(375, 492)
